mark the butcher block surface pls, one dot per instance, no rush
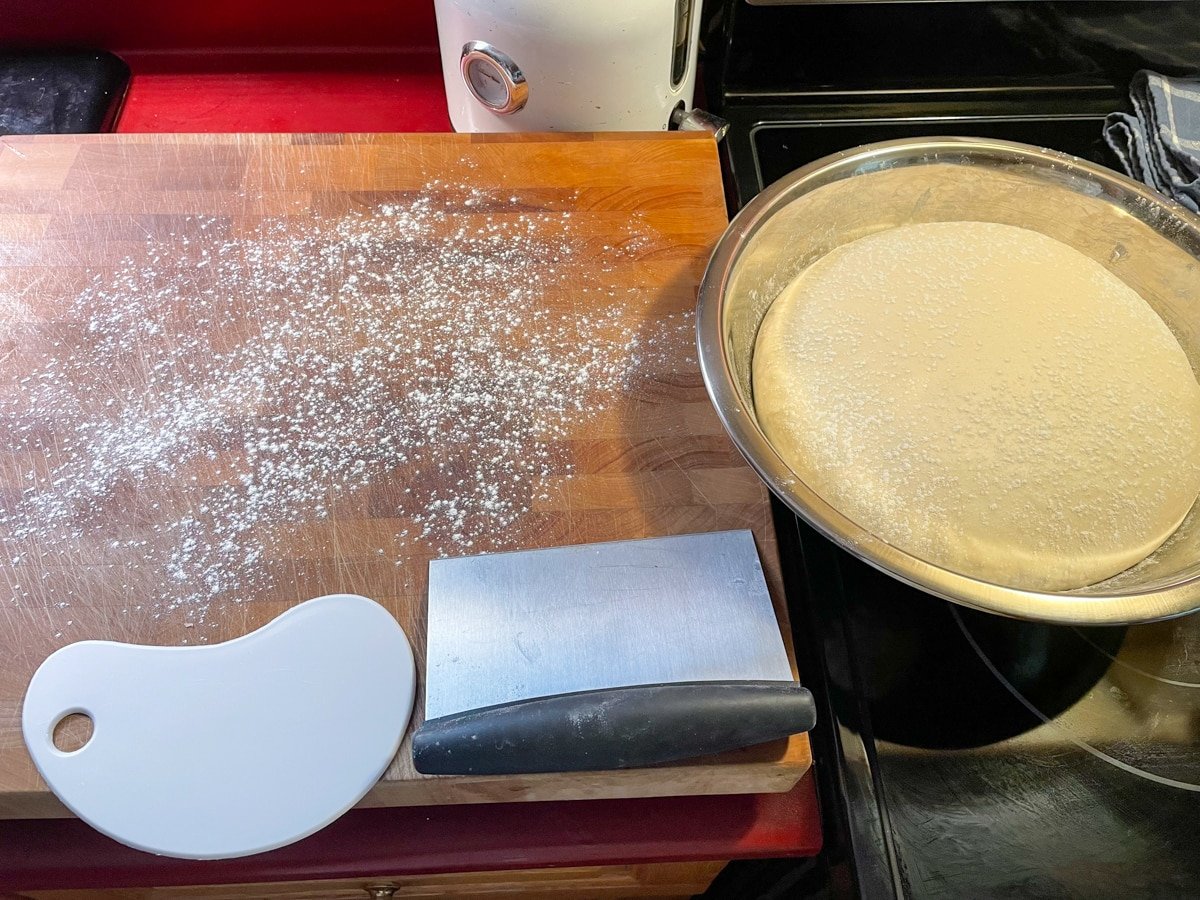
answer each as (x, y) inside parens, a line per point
(241, 371)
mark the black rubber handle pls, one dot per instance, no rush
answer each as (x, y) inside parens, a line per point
(616, 728)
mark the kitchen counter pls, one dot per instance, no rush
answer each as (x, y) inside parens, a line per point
(271, 66)
(378, 71)
(245, 371)
(650, 459)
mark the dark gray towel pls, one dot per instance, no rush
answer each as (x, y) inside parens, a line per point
(60, 93)
(1160, 143)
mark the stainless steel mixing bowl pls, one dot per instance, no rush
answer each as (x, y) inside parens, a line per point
(1152, 244)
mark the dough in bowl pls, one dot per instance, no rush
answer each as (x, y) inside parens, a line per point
(985, 398)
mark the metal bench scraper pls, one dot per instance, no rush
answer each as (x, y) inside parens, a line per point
(603, 656)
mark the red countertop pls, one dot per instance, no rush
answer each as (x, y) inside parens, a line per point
(357, 65)
(268, 65)
(305, 91)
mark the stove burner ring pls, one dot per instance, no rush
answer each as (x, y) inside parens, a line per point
(1124, 663)
(1062, 728)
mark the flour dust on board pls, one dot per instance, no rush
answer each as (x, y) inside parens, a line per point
(232, 387)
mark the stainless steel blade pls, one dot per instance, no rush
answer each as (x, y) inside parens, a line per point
(512, 626)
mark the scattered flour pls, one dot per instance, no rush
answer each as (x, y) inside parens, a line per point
(255, 383)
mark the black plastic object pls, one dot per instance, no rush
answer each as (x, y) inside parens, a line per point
(616, 728)
(60, 93)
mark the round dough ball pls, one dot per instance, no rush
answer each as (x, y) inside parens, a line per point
(985, 398)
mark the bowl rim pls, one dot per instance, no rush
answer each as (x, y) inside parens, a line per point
(1116, 608)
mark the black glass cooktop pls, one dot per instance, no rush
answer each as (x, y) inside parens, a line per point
(843, 49)
(988, 757)
(964, 755)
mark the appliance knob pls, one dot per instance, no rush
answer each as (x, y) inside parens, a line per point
(699, 120)
(493, 78)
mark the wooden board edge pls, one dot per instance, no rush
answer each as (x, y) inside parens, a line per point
(658, 879)
(725, 774)
(39, 804)
(719, 775)
(364, 137)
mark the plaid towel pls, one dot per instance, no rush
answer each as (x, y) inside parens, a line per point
(1160, 143)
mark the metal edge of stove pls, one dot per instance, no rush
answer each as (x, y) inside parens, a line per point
(935, 123)
(853, 811)
(778, 96)
(746, 120)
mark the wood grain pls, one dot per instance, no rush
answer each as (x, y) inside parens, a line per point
(652, 462)
(672, 879)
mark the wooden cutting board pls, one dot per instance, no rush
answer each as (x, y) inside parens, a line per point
(240, 371)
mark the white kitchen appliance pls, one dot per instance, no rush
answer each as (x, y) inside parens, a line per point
(560, 65)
